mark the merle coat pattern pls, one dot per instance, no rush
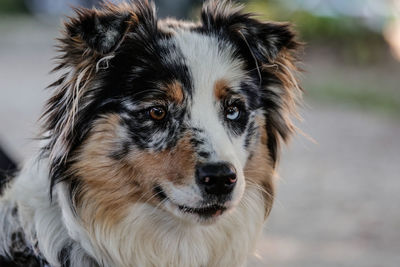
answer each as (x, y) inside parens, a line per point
(160, 141)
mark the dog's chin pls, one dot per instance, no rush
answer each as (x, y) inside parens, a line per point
(198, 209)
(206, 213)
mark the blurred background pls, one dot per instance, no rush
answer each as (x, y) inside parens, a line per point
(338, 201)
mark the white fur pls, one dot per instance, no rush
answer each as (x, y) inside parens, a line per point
(39, 218)
(146, 237)
(151, 237)
(208, 62)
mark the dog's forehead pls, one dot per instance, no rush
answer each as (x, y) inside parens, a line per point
(209, 59)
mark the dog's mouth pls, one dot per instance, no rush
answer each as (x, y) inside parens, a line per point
(206, 212)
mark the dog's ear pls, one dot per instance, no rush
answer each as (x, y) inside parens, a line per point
(98, 32)
(264, 39)
(270, 51)
(91, 38)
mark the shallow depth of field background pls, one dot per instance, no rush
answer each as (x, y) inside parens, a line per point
(338, 200)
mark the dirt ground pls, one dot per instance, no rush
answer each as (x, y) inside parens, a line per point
(337, 202)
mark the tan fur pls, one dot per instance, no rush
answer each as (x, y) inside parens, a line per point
(221, 89)
(110, 186)
(259, 171)
(174, 91)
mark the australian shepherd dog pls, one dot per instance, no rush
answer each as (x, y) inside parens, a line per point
(160, 141)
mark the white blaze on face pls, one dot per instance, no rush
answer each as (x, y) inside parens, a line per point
(210, 60)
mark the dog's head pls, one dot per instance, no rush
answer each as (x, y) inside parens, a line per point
(177, 115)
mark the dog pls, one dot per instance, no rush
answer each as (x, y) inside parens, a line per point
(160, 141)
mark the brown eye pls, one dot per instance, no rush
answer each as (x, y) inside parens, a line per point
(157, 113)
(232, 113)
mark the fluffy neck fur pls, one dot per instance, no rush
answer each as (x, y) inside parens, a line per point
(146, 237)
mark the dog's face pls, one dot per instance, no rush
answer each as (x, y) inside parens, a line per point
(176, 115)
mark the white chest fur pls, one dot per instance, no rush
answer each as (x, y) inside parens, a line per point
(151, 237)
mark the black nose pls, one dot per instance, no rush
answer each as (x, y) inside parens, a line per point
(216, 178)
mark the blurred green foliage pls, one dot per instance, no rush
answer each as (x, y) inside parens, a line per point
(364, 96)
(340, 50)
(12, 6)
(350, 37)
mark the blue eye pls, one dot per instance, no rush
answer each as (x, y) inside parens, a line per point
(232, 113)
